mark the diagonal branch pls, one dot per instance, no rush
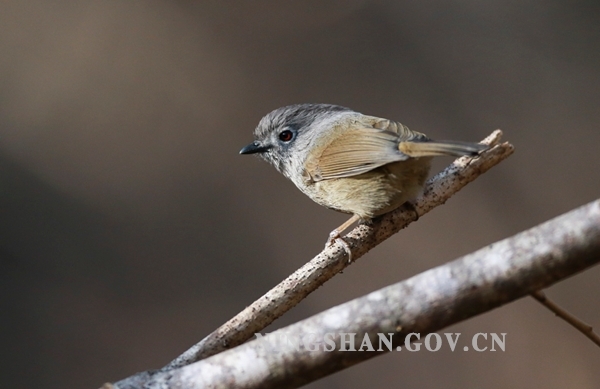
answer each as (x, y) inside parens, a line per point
(585, 329)
(471, 285)
(332, 260)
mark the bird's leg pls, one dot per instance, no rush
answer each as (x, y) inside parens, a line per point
(336, 235)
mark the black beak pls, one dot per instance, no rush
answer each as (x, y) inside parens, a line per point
(254, 148)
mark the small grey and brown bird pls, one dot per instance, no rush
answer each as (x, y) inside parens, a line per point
(350, 162)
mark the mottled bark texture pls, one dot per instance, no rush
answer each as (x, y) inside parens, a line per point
(471, 285)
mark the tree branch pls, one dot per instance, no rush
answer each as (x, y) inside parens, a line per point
(474, 284)
(331, 260)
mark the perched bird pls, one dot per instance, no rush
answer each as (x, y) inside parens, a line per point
(350, 162)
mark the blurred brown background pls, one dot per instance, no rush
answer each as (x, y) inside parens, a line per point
(130, 228)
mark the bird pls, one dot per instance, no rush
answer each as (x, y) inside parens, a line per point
(344, 160)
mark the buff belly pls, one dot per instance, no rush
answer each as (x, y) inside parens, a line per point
(373, 193)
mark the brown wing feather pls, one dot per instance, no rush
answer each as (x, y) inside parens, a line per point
(355, 151)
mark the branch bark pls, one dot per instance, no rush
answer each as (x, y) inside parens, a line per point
(474, 284)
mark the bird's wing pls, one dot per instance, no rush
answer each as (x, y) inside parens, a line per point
(359, 147)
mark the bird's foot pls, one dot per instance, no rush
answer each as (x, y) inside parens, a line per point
(335, 236)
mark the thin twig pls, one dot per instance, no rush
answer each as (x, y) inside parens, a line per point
(582, 327)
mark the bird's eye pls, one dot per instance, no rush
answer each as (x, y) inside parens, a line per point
(286, 135)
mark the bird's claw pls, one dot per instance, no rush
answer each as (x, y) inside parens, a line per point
(335, 235)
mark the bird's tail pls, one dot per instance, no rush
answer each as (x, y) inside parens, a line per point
(440, 148)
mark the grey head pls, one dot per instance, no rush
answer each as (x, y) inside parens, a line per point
(283, 135)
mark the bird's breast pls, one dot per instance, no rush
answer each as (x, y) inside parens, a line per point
(373, 193)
